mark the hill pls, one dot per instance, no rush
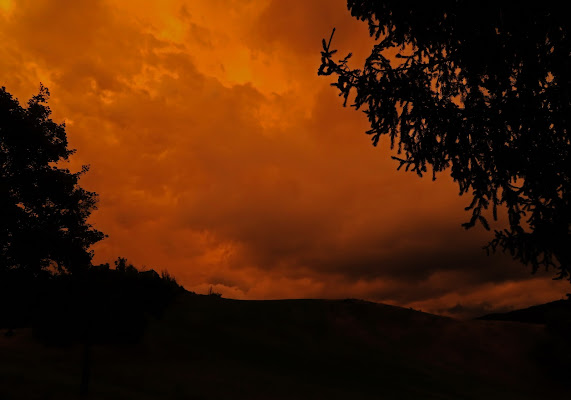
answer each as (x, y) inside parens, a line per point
(539, 314)
(206, 347)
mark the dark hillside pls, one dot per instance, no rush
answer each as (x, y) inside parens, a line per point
(540, 314)
(206, 347)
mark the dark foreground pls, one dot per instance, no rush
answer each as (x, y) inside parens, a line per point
(210, 348)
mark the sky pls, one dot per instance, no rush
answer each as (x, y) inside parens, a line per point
(221, 157)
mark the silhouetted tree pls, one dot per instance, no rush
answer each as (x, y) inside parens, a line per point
(43, 210)
(101, 306)
(481, 89)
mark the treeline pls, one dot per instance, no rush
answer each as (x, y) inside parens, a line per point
(100, 305)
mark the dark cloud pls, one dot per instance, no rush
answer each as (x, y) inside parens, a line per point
(219, 155)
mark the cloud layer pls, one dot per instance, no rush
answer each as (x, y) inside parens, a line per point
(219, 155)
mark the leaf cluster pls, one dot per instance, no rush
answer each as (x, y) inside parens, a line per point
(479, 89)
(43, 210)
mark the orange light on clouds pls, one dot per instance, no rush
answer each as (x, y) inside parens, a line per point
(221, 156)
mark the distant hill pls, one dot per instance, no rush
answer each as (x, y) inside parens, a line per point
(206, 347)
(539, 314)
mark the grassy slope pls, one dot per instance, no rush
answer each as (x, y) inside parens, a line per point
(540, 314)
(209, 348)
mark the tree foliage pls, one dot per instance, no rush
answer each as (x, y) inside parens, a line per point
(43, 210)
(479, 89)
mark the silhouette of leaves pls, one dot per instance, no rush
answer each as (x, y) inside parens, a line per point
(480, 90)
(43, 210)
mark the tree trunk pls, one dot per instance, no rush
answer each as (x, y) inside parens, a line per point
(85, 367)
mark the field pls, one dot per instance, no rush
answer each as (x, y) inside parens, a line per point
(205, 347)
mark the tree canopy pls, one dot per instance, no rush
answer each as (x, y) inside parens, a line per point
(479, 89)
(43, 210)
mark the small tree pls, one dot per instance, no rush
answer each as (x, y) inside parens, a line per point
(480, 89)
(43, 210)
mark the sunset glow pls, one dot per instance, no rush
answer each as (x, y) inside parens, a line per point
(220, 156)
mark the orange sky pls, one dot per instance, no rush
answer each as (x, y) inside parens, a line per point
(220, 155)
